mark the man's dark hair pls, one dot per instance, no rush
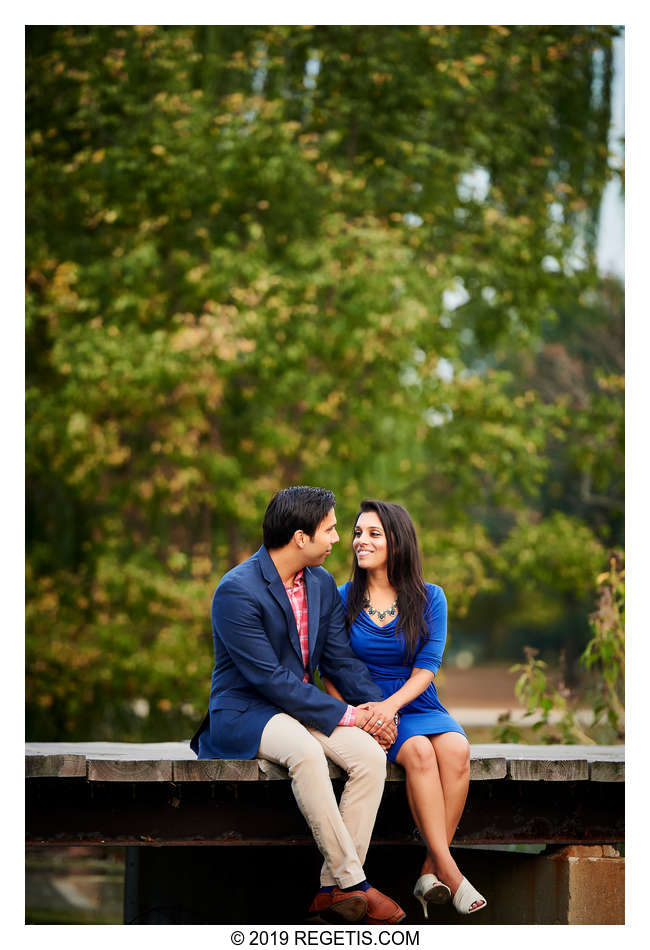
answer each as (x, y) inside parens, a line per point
(299, 508)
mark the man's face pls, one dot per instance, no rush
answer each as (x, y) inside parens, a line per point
(317, 549)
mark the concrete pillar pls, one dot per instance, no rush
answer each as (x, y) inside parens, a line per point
(588, 884)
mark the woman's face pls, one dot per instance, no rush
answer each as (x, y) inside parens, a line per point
(369, 542)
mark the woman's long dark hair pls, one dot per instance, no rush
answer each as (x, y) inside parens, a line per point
(404, 568)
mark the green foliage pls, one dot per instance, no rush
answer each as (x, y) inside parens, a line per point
(551, 710)
(605, 652)
(246, 271)
(555, 720)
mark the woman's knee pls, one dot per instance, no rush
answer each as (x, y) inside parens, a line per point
(417, 754)
(452, 751)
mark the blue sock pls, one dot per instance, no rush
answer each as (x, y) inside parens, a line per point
(326, 889)
(363, 886)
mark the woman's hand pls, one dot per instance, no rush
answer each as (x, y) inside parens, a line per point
(367, 718)
(384, 736)
(379, 720)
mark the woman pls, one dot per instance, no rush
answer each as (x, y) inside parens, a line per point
(397, 626)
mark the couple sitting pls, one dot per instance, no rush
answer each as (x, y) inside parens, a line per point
(377, 643)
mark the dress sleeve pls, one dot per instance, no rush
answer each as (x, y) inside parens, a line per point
(429, 656)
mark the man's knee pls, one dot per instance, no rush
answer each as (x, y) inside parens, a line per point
(308, 754)
(289, 743)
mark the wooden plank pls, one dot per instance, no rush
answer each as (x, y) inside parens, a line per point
(114, 750)
(481, 769)
(512, 750)
(158, 761)
(216, 770)
(613, 771)
(129, 770)
(55, 766)
(271, 771)
(558, 762)
(548, 770)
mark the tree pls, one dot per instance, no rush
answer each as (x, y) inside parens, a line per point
(576, 369)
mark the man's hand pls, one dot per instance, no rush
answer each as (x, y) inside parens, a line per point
(377, 719)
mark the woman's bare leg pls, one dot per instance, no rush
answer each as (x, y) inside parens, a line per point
(427, 802)
(452, 754)
(437, 780)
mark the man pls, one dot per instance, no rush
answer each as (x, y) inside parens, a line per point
(276, 618)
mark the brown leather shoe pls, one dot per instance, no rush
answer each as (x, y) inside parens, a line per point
(337, 906)
(382, 909)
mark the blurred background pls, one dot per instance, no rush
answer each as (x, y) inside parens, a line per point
(384, 260)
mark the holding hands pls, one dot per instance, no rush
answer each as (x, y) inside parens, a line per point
(378, 720)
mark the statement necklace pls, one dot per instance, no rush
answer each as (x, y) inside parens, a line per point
(371, 610)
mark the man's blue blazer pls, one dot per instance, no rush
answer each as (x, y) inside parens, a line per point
(258, 670)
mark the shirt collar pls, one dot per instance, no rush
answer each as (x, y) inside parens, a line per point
(298, 579)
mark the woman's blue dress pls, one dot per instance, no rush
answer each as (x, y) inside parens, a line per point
(383, 651)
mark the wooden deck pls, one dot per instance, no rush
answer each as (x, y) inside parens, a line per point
(160, 794)
(175, 762)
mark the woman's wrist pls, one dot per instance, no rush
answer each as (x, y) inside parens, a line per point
(393, 710)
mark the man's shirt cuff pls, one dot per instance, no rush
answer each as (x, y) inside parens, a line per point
(349, 717)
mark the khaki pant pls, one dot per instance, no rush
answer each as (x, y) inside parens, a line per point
(342, 833)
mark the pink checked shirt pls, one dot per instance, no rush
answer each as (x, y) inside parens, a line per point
(298, 599)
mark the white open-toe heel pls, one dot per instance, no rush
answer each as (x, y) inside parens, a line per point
(429, 890)
(465, 896)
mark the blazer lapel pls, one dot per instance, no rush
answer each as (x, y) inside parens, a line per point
(276, 588)
(313, 611)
